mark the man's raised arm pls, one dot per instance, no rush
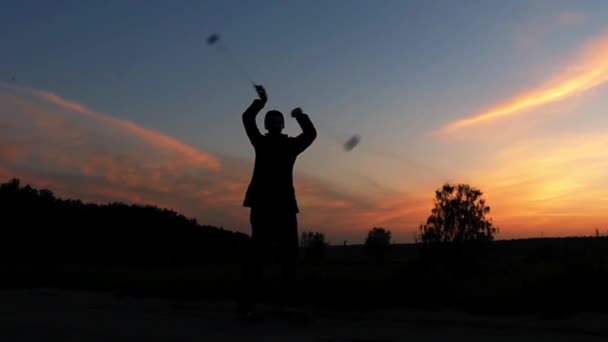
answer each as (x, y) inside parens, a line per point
(309, 133)
(251, 127)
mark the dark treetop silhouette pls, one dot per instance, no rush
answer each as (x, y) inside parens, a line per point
(38, 228)
(271, 195)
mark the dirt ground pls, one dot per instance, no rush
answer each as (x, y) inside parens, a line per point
(52, 315)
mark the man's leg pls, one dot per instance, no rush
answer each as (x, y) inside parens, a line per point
(288, 243)
(254, 258)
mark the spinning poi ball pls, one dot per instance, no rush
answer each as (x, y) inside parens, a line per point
(352, 143)
(212, 39)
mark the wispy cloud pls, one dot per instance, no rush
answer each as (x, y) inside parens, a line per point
(589, 70)
(191, 154)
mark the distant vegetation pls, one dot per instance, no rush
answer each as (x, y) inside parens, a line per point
(377, 243)
(41, 228)
(313, 245)
(459, 215)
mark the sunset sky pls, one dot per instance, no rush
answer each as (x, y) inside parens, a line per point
(124, 101)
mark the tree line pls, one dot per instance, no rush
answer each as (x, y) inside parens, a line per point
(39, 227)
(457, 222)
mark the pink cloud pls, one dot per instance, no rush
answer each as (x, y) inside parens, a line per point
(571, 18)
(191, 154)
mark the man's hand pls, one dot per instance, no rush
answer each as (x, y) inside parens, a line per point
(296, 112)
(261, 93)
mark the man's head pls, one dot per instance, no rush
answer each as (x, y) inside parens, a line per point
(274, 122)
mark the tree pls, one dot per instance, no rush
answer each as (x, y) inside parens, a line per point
(314, 245)
(36, 226)
(459, 215)
(377, 242)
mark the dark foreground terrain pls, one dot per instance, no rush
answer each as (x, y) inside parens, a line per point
(53, 315)
(71, 271)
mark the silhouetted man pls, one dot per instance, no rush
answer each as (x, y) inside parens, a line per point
(271, 196)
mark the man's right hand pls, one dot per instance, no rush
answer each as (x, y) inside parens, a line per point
(261, 93)
(296, 112)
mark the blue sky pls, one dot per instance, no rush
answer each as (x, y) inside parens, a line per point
(395, 72)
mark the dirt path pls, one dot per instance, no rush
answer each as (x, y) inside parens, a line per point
(50, 315)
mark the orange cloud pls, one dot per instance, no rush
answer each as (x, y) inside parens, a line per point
(586, 72)
(350, 217)
(10, 152)
(557, 184)
(401, 209)
(5, 174)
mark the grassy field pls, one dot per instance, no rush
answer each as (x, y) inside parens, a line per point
(550, 276)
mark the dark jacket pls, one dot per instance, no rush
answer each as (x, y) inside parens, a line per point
(271, 185)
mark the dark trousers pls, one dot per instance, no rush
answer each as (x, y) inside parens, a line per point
(269, 228)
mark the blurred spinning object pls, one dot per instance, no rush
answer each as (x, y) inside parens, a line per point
(352, 142)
